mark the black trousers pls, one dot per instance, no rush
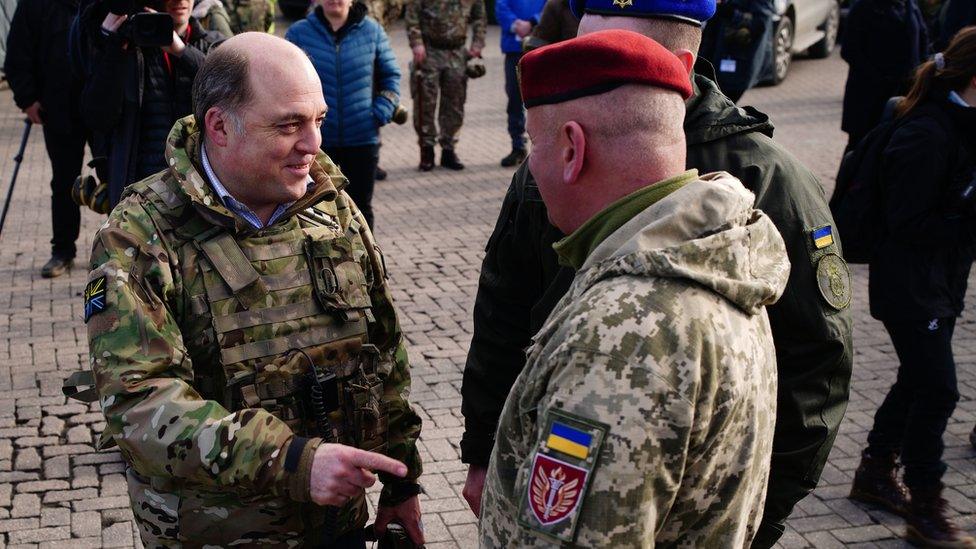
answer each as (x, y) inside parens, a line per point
(914, 415)
(514, 108)
(67, 153)
(358, 164)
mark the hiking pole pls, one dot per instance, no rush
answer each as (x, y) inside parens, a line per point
(17, 161)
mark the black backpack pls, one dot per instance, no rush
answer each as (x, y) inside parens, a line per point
(857, 202)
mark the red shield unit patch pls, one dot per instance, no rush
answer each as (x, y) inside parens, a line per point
(555, 489)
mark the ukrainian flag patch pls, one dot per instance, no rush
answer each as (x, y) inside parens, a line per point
(570, 441)
(822, 237)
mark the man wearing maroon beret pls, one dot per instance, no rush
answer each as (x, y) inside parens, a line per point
(645, 413)
(522, 280)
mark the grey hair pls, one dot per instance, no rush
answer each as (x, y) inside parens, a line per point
(223, 82)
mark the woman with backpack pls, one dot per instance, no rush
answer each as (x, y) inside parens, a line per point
(361, 81)
(918, 276)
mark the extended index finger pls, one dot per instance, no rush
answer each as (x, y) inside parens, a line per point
(377, 462)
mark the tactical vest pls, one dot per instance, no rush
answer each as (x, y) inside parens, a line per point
(250, 15)
(279, 320)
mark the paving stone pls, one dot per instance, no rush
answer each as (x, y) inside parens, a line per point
(57, 467)
(25, 505)
(42, 486)
(100, 503)
(86, 524)
(41, 534)
(55, 516)
(118, 535)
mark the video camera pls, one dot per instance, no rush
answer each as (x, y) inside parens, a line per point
(142, 28)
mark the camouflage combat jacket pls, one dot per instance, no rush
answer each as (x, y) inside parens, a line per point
(645, 413)
(203, 333)
(443, 24)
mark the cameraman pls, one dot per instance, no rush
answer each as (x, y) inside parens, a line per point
(135, 94)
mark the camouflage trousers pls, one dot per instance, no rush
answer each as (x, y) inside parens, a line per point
(441, 75)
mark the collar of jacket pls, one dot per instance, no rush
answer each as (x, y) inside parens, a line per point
(183, 157)
(357, 13)
(574, 249)
(710, 116)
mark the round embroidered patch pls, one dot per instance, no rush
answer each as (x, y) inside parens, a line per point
(834, 281)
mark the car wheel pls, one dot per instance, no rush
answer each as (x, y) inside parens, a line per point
(782, 49)
(293, 10)
(831, 26)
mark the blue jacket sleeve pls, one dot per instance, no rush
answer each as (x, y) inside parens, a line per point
(505, 15)
(387, 78)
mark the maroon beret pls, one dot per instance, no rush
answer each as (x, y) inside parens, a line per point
(597, 63)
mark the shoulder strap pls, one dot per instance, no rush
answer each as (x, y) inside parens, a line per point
(72, 386)
(227, 258)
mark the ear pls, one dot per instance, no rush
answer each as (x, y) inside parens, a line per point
(687, 59)
(573, 151)
(216, 127)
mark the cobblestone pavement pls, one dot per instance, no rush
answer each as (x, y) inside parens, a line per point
(56, 491)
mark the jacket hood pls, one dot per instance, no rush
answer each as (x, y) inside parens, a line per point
(203, 7)
(707, 232)
(183, 153)
(711, 116)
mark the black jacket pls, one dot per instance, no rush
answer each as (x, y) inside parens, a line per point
(954, 15)
(132, 97)
(37, 61)
(884, 40)
(921, 267)
(521, 282)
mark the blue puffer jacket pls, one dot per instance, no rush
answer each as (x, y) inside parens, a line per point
(347, 63)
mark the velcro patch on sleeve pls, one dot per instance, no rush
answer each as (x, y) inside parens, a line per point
(94, 297)
(561, 471)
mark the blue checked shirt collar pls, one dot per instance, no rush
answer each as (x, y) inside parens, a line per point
(232, 203)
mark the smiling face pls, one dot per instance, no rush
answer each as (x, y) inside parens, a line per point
(179, 10)
(271, 159)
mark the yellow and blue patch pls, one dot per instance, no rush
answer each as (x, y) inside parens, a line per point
(569, 440)
(822, 237)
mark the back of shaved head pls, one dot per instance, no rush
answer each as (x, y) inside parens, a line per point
(672, 34)
(226, 79)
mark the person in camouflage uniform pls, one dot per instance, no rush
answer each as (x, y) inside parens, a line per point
(645, 413)
(437, 30)
(213, 16)
(251, 15)
(386, 12)
(244, 343)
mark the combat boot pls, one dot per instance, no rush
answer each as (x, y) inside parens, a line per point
(426, 159)
(57, 266)
(450, 160)
(928, 525)
(876, 482)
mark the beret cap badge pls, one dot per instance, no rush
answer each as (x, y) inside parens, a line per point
(623, 4)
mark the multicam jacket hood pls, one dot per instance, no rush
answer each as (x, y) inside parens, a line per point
(645, 413)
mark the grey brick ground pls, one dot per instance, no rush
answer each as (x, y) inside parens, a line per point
(54, 486)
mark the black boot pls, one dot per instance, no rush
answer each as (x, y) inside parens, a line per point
(57, 266)
(876, 482)
(426, 159)
(380, 174)
(514, 158)
(450, 160)
(928, 525)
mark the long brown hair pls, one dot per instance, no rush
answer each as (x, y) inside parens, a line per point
(959, 68)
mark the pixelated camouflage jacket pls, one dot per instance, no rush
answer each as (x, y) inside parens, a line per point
(662, 349)
(204, 468)
(444, 24)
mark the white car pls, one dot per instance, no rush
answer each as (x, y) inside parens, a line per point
(802, 25)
